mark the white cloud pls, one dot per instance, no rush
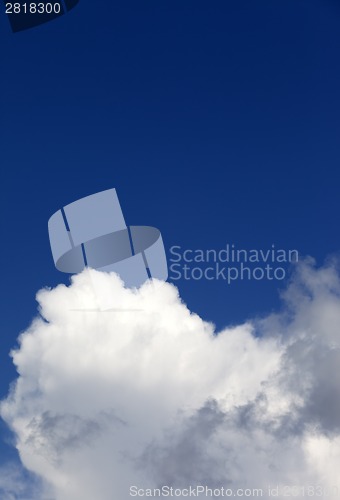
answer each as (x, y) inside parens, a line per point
(147, 394)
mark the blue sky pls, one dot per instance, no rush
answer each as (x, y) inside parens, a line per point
(217, 124)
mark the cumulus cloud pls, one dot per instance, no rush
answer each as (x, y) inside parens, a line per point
(122, 387)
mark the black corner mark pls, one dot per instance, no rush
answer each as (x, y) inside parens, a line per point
(70, 3)
(26, 14)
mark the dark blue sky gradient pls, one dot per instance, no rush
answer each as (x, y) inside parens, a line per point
(217, 122)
